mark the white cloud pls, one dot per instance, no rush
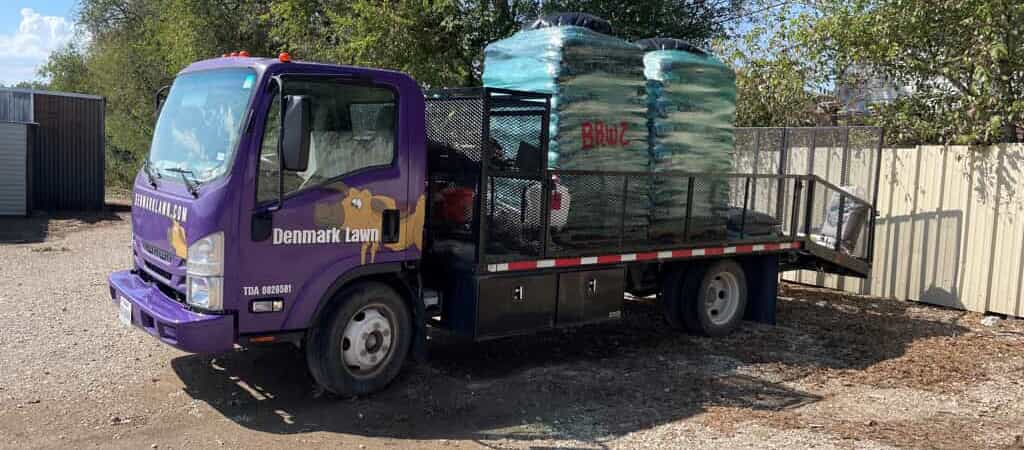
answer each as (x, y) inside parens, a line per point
(27, 49)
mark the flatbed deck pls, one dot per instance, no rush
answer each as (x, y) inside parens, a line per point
(522, 227)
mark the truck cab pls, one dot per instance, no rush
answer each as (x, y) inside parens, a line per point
(270, 185)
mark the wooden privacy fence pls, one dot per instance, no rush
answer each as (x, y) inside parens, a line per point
(950, 229)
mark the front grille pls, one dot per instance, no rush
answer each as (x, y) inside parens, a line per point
(167, 290)
(158, 252)
(161, 272)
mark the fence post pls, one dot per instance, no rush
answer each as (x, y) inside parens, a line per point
(809, 211)
(812, 151)
(780, 186)
(844, 171)
(795, 215)
(874, 196)
(757, 165)
(839, 220)
(746, 204)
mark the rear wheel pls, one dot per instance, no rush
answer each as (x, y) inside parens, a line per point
(359, 348)
(718, 298)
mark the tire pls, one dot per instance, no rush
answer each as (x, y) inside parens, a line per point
(359, 347)
(718, 299)
(679, 288)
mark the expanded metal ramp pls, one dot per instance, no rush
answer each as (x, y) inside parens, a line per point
(841, 169)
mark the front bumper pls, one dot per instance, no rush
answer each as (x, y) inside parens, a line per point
(170, 321)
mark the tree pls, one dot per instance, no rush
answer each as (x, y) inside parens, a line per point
(35, 84)
(66, 70)
(778, 84)
(695, 20)
(962, 60)
(441, 42)
(423, 39)
(958, 64)
(137, 46)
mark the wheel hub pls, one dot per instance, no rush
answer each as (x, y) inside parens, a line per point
(721, 299)
(367, 340)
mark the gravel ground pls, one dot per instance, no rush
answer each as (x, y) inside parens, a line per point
(838, 372)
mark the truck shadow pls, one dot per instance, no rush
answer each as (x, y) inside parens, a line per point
(588, 384)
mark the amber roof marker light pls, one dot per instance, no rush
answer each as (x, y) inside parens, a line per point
(284, 57)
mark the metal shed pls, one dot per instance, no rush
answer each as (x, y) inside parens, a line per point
(16, 168)
(15, 105)
(68, 166)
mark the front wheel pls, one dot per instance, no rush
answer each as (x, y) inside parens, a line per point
(360, 347)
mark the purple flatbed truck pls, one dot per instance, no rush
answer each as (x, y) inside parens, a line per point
(344, 210)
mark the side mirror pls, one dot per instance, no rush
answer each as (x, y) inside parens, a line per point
(158, 100)
(295, 133)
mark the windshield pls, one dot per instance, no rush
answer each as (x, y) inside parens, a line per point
(200, 123)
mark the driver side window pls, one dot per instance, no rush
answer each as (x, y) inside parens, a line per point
(351, 128)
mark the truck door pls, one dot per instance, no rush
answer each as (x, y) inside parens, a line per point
(345, 210)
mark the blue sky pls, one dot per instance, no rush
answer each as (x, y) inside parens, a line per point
(30, 30)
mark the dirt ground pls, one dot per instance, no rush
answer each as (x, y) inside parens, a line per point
(837, 372)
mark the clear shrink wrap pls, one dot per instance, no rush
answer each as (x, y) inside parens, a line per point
(598, 115)
(691, 100)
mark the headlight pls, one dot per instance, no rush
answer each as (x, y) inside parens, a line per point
(206, 256)
(206, 292)
(205, 270)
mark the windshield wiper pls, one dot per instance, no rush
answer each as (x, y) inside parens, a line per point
(189, 177)
(148, 169)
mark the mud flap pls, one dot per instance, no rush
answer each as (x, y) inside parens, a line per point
(762, 287)
(418, 347)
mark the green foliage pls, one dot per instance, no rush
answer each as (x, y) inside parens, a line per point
(963, 59)
(66, 69)
(697, 21)
(776, 85)
(27, 85)
(437, 42)
(960, 64)
(772, 93)
(137, 46)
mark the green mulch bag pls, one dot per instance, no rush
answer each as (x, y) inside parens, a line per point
(691, 100)
(598, 116)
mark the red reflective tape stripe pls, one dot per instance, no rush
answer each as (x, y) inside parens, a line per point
(682, 253)
(522, 265)
(646, 256)
(567, 262)
(610, 259)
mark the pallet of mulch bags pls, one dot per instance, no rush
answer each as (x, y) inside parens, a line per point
(691, 99)
(599, 112)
